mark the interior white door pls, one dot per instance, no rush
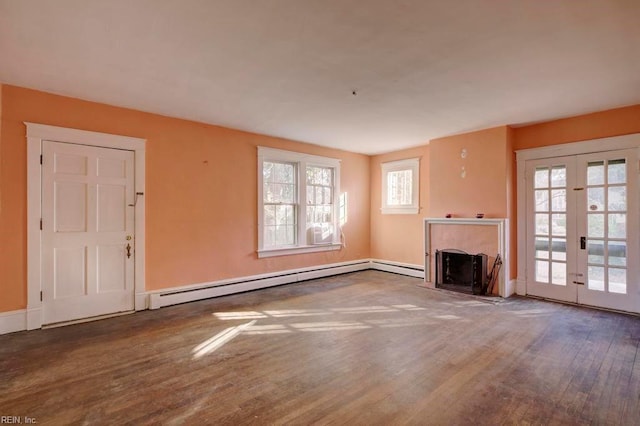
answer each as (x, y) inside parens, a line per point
(582, 228)
(87, 231)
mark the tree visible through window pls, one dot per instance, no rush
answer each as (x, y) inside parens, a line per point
(400, 186)
(297, 202)
(280, 203)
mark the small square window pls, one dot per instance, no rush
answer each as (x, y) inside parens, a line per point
(400, 186)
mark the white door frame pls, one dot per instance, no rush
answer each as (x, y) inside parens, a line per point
(36, 134)
(576, 148)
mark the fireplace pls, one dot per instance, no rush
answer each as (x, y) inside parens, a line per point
(486, 235)
(460, 271)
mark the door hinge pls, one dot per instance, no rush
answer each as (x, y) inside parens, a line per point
(41, 296)
(40, 158)
(41, 224)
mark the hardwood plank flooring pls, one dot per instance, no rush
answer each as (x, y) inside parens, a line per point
(363, 348)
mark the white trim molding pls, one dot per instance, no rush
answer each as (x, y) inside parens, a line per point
(398, 267)
(36, 134)
(13, 321)
(502, 225)
(412, 165)
(631, 141)
(18, 320)
(176, 295)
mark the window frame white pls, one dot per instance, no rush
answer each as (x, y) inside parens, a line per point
(301, 160)
(411, 164)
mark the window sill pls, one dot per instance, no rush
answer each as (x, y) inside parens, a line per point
(298, 250)
(399, 210)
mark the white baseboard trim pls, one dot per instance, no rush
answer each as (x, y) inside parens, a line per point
(13, 321)
(398, 268)
(510, 288)
(141, 301)
(29, 319)
(176, 295)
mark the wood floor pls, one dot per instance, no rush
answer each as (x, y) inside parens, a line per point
(363, 348)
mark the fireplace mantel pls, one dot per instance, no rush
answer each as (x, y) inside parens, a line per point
(502, 225)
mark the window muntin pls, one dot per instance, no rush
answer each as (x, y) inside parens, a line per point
(298, 200)
(320, 205)
(400, 186)
(280, 204)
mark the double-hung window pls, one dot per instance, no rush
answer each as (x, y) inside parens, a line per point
(297, 203)
(400, 187)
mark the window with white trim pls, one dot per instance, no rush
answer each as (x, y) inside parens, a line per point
(400, 186)
(298, 198)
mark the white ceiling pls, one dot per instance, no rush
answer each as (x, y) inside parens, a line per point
(421, 69)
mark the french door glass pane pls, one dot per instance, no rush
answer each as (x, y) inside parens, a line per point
(617, 225)
(617, 280)
(559, 249)
(559, 224)
(596, 252)
(595, 198)
(542, 248)
(541, 178)
(595, 173)
(542, 200)
(559, 200)
(595, 279)
(558, 176)
(558, 273)
(617, 253)
(542, 271)
(607, 228)
(542, 224)
(617, 198)
(551, 224)
(617, 171)
(595, 225)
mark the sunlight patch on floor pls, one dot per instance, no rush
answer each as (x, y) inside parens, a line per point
(219, 340)
(285, 313)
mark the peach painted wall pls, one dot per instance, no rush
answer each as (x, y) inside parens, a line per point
(0, 161)
(201, 192)
(613, 122)
(398, 237)
(484, 189)
(512, 202)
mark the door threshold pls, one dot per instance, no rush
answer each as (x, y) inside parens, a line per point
(83, 320)
(578, 305)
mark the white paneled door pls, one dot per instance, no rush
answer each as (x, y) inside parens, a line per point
(87, 231)
(582, 229)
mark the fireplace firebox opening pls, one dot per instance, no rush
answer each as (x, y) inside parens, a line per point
(463, 272)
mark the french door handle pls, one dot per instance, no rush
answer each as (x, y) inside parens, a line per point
(583, 243)
(128, 250)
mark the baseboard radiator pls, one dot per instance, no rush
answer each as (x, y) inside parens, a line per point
(179, 295)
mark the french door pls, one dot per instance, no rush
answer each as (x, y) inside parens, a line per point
(582, 229)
